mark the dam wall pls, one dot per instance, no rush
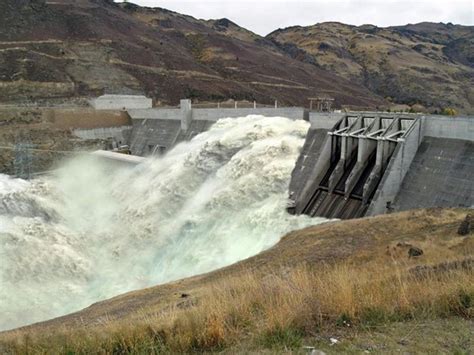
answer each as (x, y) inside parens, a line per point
(448, 127)
(153, 136)
(352, 164)
(416, 161)
(174, 114)
(215, 114)
(324, 120)
(159, 129)
(441, 175)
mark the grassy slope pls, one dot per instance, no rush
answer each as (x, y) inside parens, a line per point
(351, 279)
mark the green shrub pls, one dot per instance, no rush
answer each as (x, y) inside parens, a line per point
(289, 338)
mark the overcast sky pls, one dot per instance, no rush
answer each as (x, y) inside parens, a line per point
(264, 16)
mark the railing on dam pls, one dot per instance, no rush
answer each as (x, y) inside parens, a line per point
(351, 164)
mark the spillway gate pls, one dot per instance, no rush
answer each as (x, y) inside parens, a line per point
(350, 167)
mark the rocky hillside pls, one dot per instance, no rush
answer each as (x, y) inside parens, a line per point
(56, 50)
(32, 140)
(427, 64)
(63, 48)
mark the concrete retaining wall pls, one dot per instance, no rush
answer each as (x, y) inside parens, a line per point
(323, 120)
(157, 114)
(314, 175)
(121, 102)
(120, 134)
(449, 127)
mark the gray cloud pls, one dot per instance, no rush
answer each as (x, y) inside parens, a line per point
(264, 16)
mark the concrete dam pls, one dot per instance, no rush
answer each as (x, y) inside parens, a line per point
(351, 165)
(374, 163)
(96, 228)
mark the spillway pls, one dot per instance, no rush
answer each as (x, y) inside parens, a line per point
(89, 233)
(369, 163)
(349, 167)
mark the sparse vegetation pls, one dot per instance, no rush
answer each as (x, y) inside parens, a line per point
(426, 63)
(448, 111)
(379, 289)
(197, 42)
(278, 311)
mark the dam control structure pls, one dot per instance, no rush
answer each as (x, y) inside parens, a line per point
(352, 164)
(375, 163)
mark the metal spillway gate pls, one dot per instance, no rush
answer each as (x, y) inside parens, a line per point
(353, 160)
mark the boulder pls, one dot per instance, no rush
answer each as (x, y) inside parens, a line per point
(466, 227)
(414, 252)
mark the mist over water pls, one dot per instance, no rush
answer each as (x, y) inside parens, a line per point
(89, 233)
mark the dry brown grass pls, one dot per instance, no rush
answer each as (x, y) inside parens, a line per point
(367, 282)
(276, 310)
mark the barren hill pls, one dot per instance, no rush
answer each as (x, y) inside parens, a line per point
(63, 49)
(431, 64)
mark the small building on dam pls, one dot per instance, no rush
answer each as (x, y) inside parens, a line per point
(352, 164)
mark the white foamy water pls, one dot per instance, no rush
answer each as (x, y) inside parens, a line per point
(87, 233)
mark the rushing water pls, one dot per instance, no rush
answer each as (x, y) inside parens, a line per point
(87, 233)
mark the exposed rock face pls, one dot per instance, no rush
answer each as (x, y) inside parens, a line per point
(36, 139)
(424, 271)
(414, 252)
(467, 226)
(428, 63)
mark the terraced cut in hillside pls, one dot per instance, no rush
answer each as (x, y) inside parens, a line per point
(61, 49)
(426, 64)
(393, 283)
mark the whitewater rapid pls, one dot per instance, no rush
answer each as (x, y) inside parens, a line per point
(87, 233)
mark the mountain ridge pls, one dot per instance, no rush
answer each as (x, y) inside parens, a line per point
(425, 64)
(57, 50)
